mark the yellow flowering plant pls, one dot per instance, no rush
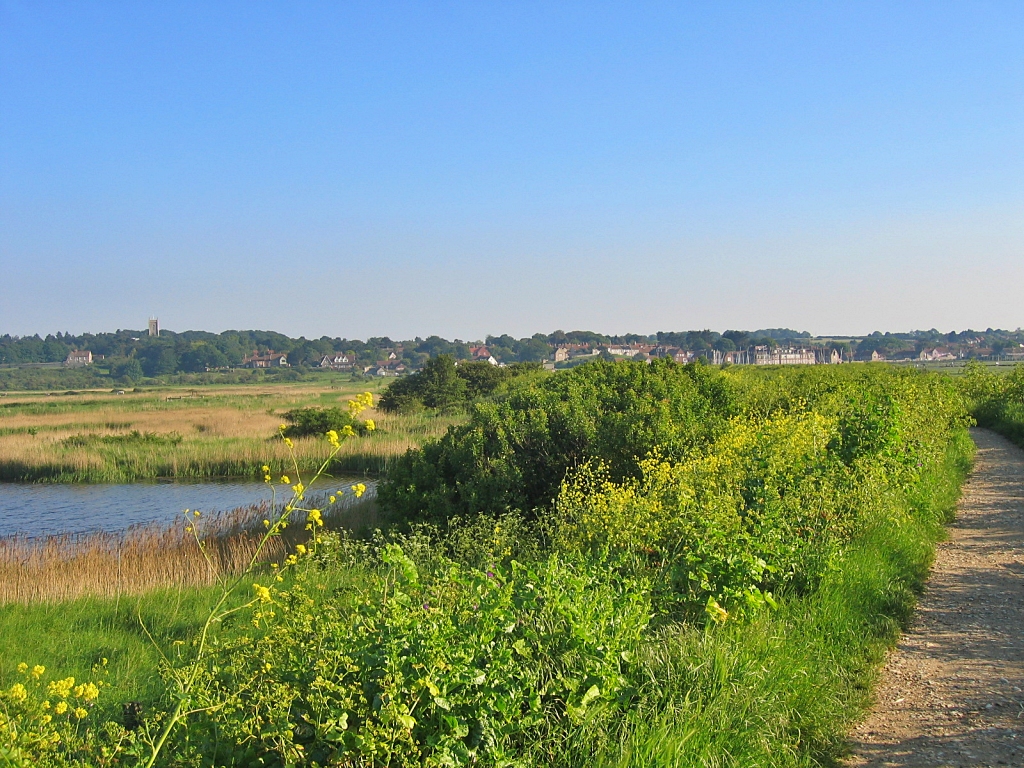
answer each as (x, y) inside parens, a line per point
(43, 722)
(184, 678)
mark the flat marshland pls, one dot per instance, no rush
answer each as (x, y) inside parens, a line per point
(187, 433)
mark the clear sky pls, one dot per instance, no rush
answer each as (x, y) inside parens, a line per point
(357, 169)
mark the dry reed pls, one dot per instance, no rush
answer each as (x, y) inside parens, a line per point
(65, 567)
(110, 440)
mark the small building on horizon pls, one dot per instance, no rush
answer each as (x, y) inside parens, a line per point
(270, 360)
(77, 358)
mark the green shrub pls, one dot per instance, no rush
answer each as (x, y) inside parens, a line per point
(314, 421)
(514, 453)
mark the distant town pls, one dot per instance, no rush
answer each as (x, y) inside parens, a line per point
(133, 356)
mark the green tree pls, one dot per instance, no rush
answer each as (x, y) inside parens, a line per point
(130, 370)
(202, 357)
(159, 360)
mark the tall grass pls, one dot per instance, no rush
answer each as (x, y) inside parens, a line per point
(104, 440)
(102, 564)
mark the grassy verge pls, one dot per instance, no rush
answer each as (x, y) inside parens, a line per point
(784, 689)
(74, 635)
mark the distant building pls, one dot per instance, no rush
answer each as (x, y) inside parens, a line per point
(154, 326)
(765, 355)
(677, 354)
(877, 356)
(270, 360)
(936, 354)
(629, 350)
(482, 355)
(77, 358)
(560, 355)
(336, 362)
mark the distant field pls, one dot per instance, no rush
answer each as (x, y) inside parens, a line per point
(186, 432)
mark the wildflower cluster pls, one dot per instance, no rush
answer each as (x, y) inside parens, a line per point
(47, 722)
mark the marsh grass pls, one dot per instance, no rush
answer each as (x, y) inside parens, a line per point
(145, 558)
(104, 439)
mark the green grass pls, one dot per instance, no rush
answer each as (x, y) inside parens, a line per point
(221, 432)
(71, 637)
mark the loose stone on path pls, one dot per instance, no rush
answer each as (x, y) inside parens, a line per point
(951, 693)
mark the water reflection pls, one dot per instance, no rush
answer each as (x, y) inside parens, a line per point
(44, 509)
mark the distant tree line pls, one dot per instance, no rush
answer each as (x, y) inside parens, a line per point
(133, 355)
(445, 383)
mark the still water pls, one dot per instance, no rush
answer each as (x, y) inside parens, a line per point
(42, 509)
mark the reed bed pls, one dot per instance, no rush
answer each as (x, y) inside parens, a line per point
(112, 440)
(115, 564)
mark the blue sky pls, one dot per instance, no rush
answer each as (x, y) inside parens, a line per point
(462, 169)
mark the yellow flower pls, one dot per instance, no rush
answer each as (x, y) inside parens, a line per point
(298, 488)
(358, 489)
(61, 708)
(333, 499)
(332, 436)
(80, 712)
(370, 426)
(46, 719)
(286, 480)
(300, 549)
(347, 431)
(266, 523)
(716, 612)
(87, 691)
(314, 517)
(282, 427)
(265, 468)
(23, 668)
(195, 513)
(262, 593)
(18, 692)
(61, 688)
(288, 442)
(37, 671)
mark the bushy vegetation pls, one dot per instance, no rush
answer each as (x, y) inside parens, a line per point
(624, 565)
(444, 383)
(996, 401)
(515, 452)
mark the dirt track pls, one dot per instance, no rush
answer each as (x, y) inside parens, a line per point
(951, 693)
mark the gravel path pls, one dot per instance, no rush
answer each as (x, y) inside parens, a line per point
(950, 694)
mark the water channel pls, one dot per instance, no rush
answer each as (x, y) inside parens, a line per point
(40, 509)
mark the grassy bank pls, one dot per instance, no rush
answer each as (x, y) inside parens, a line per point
(185, 433)
(127, 564)
(624, 565)
(785, 688)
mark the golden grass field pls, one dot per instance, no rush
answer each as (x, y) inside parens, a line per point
(186, 433)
